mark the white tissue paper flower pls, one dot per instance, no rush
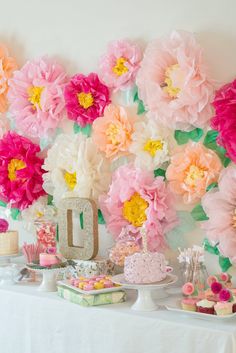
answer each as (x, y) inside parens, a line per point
(75, 168)
(150, 145)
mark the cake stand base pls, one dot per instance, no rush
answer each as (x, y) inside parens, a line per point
(144, 301)
(49, 283)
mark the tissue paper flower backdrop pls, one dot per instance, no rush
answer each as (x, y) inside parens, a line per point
(112, 132)
(7, 67)
(36, 97)
(192, 170)
(149, 145)
(38, 210)
(86, 98)
(20, 171)
(4, 125)
(220, 207)
(119, 66)
(75, 168)
(225, 118)
(135, 198)
(173, 83)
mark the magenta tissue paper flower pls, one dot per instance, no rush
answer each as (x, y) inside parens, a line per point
(173, 82)
(36, 97)
(20, 171)
(135, 199)
(119, 66)
(86, 98)
(224, 120)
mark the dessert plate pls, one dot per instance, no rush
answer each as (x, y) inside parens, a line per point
(176, 306)
(67, 284)
(144, 300)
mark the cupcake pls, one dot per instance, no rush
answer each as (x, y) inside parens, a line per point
(205, 306)
(223, 308)
(189, 304)
(233, 302)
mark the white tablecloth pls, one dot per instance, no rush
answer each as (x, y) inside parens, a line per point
(33, 322)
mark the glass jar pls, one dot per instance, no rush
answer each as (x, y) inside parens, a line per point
(46, 232)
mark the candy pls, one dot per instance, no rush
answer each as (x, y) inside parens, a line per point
(88, 287)
(108, 284)
(98, 285)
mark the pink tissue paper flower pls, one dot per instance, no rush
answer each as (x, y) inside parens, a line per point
(86, 98)
(173, 82)
(211, 279)
(224, 277)
(137, 199)
(224, 120)
(36, 97)
(188, 288)
(220, 207)
(119, 66)
(20, 171)
(216, 287)
(4, 225)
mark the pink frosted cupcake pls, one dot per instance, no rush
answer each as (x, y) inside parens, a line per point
(189, 304)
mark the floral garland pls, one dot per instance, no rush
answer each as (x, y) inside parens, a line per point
(136, 137)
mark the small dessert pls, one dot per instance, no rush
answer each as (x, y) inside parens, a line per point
(8, 240)
(234, 304)
(93, 283)
(223, 308)
(209, 295)
(189, 304)
(145, 267)
(49, 258)
(205, 306)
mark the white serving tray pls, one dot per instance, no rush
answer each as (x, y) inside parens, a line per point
(176, 306)
(66, 283)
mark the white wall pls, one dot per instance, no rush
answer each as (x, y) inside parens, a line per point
(77, 31)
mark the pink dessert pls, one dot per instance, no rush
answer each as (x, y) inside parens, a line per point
(49, 259)
(145, 267)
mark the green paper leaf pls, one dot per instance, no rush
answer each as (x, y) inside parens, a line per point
(160, 172)
(84, 130)
(15, 212)
(50, 200)
(212, 186)
(101, 219)
(224, 263)
(198, 213)
(3, 204)
(196, 134)
(141, 108)
(81, 219)
(57, 233)
(210, 142)
(183, 137)
(212, 249)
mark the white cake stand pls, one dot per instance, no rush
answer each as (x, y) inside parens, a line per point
(144, 300)
(49, 282)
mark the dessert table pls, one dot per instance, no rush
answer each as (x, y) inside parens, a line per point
(35, 322)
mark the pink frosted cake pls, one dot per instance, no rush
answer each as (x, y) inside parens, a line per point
(145, 267)
(46, 259)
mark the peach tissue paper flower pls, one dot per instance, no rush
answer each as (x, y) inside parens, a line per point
(36, 97)
(86, 98)
(20, 171)
(137, 199)
(119, 66)
(220, 207)
(75, 168)
(192, 170)
(112, 132)
(7, 67)
(173, 82)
